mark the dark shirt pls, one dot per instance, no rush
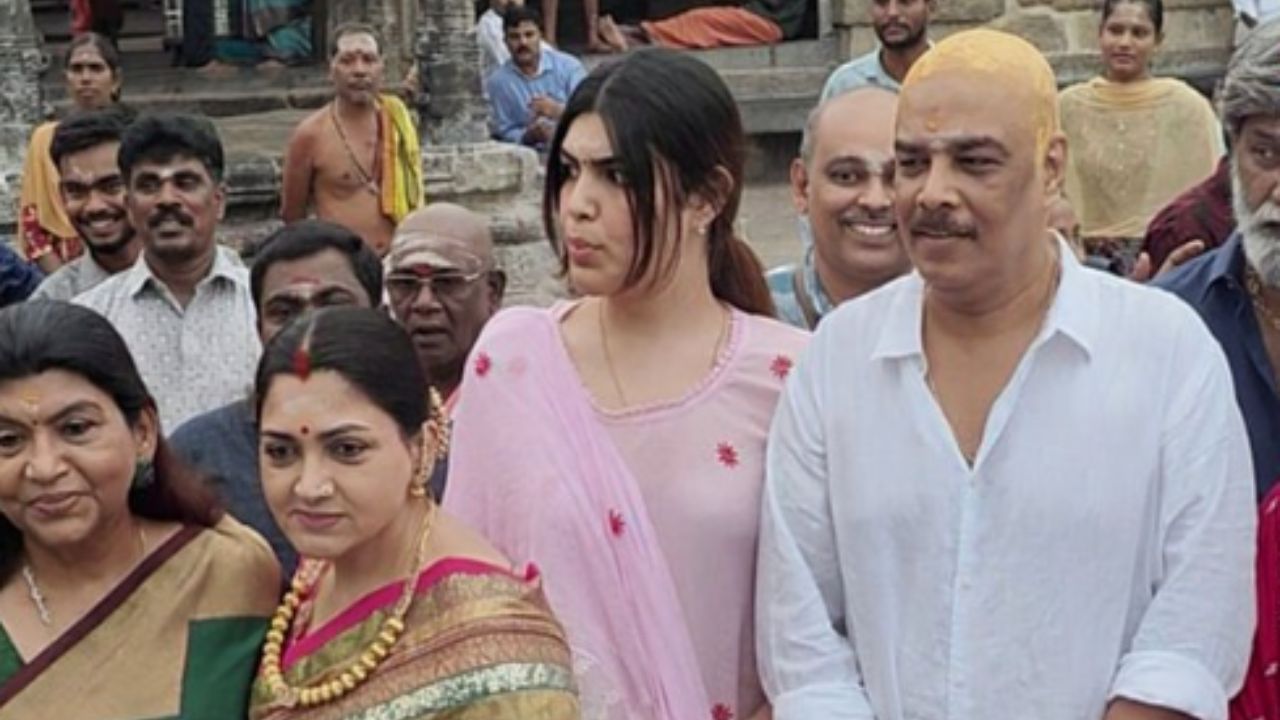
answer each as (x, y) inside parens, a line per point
(786, 14)
(1213, 284)
(18, 278)
(223, 443)
(1203, 212)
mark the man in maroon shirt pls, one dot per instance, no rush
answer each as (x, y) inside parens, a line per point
(1202, 213)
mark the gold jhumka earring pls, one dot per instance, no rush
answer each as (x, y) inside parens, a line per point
(435, 443)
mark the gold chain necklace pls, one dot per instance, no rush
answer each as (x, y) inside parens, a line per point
(360, 670)
(608, 356)
(370, 181)
(1253, 284)
(37, 597)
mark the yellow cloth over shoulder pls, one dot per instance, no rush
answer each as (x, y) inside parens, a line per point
(401, 160)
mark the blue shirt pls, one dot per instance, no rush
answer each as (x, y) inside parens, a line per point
(859, 72)
(18, 278)
(510, 90)
(782, 287)
(1213, 284)
(223, 444)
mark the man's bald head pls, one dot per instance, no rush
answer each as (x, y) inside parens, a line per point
(871, 106)
(1008, 61)
(977, 156)
(443, 235)
(444, 286)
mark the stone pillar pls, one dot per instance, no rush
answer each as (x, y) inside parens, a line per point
(20, 99)
(462, 165)
(450, 101)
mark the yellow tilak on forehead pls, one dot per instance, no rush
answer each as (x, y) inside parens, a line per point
(31, 403)
(1007, 59)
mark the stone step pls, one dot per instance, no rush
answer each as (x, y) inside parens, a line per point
(243, 92)
(775, 85)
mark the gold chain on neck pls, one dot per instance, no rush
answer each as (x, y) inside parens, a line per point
(359, 671)
(727, 319)
(1253, 283)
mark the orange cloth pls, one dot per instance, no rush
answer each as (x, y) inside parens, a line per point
(43, 226)
(712, 27)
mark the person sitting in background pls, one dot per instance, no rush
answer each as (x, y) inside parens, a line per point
(45, 235)
(842, 185)
(301, 267)
(755, 22)
(528, 92)
(85, 150)
(266, 33)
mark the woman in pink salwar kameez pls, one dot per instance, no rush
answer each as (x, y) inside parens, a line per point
(618, 441)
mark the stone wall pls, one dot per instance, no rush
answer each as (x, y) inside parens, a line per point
(1198, 33)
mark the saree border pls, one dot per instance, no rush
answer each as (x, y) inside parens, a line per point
(99, 613)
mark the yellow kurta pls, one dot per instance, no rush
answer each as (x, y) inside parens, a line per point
(1132, 148)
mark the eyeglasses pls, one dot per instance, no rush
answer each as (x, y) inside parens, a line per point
(406, 286)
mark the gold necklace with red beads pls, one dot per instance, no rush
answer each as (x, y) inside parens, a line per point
(360, 670)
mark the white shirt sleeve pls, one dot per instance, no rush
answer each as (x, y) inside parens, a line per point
(1192, 645)
(808, 667)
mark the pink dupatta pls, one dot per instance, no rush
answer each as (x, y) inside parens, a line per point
(533, 470)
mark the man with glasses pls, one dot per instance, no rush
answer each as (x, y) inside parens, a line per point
(444, 285)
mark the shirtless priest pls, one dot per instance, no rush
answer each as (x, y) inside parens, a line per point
(356, 161)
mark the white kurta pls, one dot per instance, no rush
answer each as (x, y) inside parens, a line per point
(1102, 545)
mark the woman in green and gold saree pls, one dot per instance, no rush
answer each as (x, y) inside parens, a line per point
(124, 592)
(396, 610)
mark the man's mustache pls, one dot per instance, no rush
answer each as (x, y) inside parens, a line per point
(940, 222)
(174, 214)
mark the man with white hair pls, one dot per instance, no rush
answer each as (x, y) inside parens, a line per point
(1236, 287)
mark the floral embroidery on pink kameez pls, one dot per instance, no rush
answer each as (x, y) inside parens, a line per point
(721, 712)
(781, 367)
(616, 523)
(483, 364)
(727, 454)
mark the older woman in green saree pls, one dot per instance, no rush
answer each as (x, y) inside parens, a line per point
(125, 593)
(396, 610)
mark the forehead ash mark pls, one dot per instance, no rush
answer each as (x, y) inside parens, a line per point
(1005, 60)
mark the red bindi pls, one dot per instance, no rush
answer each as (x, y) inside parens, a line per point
(305, 430)
(302, 363)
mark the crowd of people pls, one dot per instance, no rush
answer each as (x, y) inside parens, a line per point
(958, 460)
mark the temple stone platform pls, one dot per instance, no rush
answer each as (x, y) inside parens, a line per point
(775, 87)
(500, 181)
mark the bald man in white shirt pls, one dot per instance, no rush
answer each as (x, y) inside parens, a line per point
(1003, 486)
